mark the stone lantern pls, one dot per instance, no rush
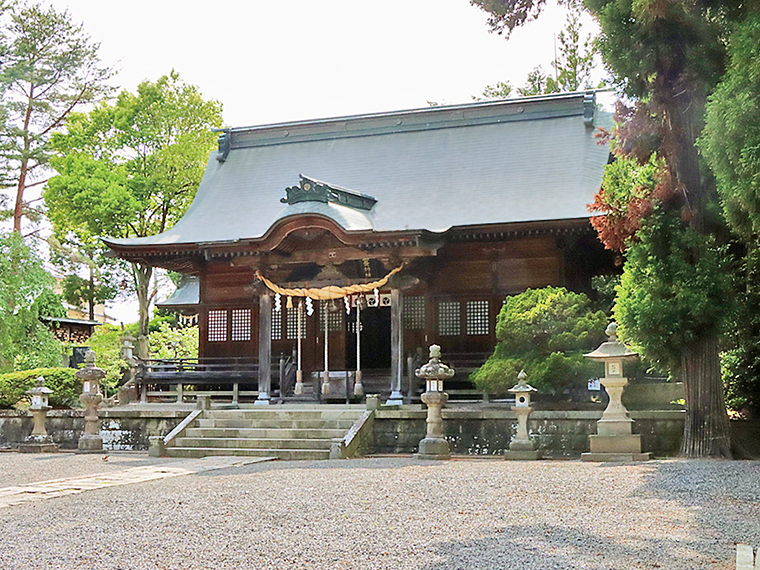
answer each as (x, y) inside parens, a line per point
(521, 447)
(39, 441)
(90, 441)
(614, 440)
(434, 446)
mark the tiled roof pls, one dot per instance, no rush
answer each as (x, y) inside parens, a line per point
(430, 169)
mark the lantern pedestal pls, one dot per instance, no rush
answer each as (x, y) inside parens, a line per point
(90, 441)
(434, 446)
(614, 440)
(522, 448)
(38, 441)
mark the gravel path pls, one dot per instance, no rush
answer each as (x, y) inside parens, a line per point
(398, 513)
(23, 468)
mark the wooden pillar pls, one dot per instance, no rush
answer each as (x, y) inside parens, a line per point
(397, 348)
(265, 347)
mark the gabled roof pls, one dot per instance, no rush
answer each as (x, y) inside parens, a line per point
(496, 162)
(187, 294)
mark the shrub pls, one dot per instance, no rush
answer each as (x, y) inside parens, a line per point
(66, 388)
(544, 331)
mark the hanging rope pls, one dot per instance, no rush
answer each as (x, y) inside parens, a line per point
(329, 292)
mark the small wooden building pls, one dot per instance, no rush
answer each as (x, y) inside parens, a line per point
(467, 203)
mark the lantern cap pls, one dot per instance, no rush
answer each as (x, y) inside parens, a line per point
(613, 348)
(521, 386)
(40, 388)
(434, 369)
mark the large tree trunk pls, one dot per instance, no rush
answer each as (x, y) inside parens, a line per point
(142, 274)
(706, 431)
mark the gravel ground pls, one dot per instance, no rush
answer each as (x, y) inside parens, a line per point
(23, 468)
(395, 513)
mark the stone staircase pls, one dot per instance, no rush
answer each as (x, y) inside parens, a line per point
(285, 432)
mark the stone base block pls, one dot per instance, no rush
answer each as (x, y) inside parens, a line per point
(614, 426)
(522, 455)
(630, 443)
(157, 448)
(433, 448)
(522, 445)
(90, 444)
(38, 447)
(616, 457)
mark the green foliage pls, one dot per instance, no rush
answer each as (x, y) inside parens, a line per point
(169, 342)
(731, 139)
(544, 331)
(66, 388)
(605, 287)
(629, 194)
(50, 304)
(572, 69)
(740, 361)
(131, 169)
(673, 291)
(500, 90)
(105, 342)
(83, 254)
(49, 68)
(25, 289)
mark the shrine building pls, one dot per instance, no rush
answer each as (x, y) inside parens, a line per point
(352, 243)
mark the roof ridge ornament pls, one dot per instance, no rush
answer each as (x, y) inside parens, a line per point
(225, 144)
(589, 105)
(312, 190)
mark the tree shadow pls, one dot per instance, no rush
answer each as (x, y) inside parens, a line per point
(547, 547)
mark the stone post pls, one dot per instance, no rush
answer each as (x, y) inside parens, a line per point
(128, 391)
(521, 447)
(397, 348)
(90, 375)
(265, 348)
(434, 445)
(614, 440)
(39, 441)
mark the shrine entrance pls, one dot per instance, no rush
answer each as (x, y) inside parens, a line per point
(375, 341)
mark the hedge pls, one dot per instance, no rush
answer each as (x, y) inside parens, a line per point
(66, 388)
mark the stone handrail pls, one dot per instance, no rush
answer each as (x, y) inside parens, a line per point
(181, 426)
(349, 445)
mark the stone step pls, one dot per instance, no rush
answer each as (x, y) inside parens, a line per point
(261, 433)
(244, 442)
(284, 414)
(285, 454)
(276, 424)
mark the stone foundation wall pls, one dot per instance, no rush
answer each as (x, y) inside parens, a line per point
(470, 431)
(121, 429)
(488, 432)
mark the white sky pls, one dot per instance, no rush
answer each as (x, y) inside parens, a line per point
(272, 60)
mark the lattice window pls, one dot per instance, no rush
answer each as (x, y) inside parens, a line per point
(477, 318)
(334, 319)
(217, 326)
(292, 324)
(276, 323)
(241, 325)
(449, 320)
(413, 313)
